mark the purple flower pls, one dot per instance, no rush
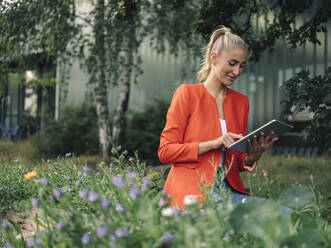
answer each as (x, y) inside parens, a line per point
(69, 178)
(35, 201)
(92, 197)
(121, 233)
(51, 197)
(71, 189)
(102, 231)
(85, 239)
(74, 166)
(1, 188)
(83, 193)
(87, 169)
(9, 246)
(44, 181)
(117, 180)
(226, 238)
(105, 204)
(113, 238)
(162, 202)
(48, 160)
(145, 183)
(57, 192)
(78, 182)
(131, 175)
(134, 192)
(37, 241)
(120, 208)
(5, 224)
(68, 154)
(167, 238)
(29, 242)
(60, 225)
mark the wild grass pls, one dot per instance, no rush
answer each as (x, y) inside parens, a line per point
(285, 172)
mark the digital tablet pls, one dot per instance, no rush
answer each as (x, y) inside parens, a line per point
(278, 127)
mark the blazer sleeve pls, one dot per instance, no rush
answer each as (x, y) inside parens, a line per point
(242, 156)
(172, 149)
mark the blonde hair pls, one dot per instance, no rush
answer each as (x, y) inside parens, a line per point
(222, 39)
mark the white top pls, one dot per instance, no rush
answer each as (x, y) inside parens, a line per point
(223, 125)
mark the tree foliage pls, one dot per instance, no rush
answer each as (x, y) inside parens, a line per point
(302, 92)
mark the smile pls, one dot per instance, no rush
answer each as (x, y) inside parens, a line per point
(232, 78)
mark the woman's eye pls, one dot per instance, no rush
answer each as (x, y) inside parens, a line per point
(232, 63)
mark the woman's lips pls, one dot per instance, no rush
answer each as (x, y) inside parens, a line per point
(232, 78)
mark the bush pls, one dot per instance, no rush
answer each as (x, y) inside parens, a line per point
(143, 131)
(302, 92)
(76, 132)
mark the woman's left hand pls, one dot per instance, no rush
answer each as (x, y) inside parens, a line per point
(256, 147)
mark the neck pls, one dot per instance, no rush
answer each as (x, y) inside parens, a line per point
(215, 88)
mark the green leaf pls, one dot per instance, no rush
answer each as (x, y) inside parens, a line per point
(262, 219)
(306, 238)
(297, 197)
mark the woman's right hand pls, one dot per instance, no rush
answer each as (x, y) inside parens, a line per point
(226, 140)
(223, 141)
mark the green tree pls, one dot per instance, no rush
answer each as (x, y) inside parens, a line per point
(110, 53)
(303, 92)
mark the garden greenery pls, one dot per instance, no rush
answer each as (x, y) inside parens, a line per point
(314, 94)
(123, 205)
(76, 132)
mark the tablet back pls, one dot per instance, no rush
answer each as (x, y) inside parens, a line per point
(278, 127)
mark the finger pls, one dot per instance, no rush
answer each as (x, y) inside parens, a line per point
(254, 143)
(235, 136)
(271, 142)
(261, 138)
(229, 139)
(249, 144)
(269, 137)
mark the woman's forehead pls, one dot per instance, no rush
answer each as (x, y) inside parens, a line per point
(239, 54)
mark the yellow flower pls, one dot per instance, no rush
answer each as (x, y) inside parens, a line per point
(30, 174)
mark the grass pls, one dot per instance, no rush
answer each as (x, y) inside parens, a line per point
(284, 172)
(27, 151)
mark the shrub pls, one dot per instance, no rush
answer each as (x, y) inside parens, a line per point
(302, 92)
(143, 131)
(76, 132)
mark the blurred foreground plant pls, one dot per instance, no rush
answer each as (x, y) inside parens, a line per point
(123, 205)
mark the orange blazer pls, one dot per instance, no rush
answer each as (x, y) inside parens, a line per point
(193, 118)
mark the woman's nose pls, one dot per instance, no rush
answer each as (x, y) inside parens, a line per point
(236, 71)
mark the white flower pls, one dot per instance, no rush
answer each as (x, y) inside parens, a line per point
(167, 212)
(190, 200)
(243, 200)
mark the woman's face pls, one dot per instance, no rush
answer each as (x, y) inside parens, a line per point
(227, 66)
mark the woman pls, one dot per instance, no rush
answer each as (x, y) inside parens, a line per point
(206, 118)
